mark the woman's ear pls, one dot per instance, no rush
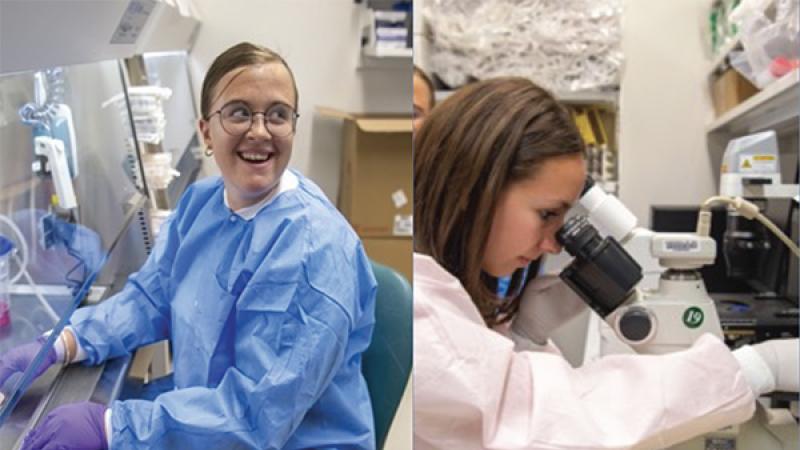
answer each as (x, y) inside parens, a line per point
(205, 131)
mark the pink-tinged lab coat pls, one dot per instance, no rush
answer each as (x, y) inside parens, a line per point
(472, 390)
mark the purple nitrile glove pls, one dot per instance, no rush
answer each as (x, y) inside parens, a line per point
(19, 358)
(77, 426)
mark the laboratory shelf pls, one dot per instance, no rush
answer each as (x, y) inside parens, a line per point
(376, 4)
(608, 97)
(385, 59)
(776, 106)
(373, 52)
(722, 54)
(590, 97)
(373, 56)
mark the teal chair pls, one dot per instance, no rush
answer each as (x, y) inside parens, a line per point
(386, 364)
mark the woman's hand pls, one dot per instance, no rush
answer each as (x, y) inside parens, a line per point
(771, 365)
(74, 426)
(546, 304)
(19, 358)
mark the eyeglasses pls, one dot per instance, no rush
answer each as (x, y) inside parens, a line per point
(237, 119)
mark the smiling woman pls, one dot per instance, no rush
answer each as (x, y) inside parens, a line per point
(250, 153)
(266, 342)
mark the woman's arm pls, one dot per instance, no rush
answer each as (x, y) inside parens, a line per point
(137, 315)
(282, 368)
(472, 390)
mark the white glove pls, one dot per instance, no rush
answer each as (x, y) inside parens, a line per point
(546, 304)
(771, 365)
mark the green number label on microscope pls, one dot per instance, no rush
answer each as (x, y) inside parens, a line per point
(693, 317)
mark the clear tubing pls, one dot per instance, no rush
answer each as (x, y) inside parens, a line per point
(23, 245)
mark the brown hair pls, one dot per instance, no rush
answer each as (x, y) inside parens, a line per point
(475, 144)
(427, 80)
(240, 55)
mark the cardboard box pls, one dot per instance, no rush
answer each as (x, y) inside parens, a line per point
(375, 190)
(394, 252)
(729, 89)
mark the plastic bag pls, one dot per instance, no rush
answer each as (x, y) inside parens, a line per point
(563, 45)
(770, 46)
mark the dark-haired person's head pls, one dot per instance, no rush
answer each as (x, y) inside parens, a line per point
(496, 167)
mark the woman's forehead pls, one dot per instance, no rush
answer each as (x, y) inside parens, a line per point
(267, 79)
(558, 180)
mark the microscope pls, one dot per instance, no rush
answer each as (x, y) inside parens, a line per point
(605, 275)
(612, 258)
(609, 251)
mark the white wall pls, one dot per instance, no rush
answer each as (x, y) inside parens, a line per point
(320, 39)
(664, 106)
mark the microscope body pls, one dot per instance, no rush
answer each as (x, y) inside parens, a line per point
(609, 251)
(669, 318)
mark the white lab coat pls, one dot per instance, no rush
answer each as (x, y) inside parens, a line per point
(473, 390)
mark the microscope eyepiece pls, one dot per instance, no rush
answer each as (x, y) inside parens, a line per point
(578, 237)
(603, 274)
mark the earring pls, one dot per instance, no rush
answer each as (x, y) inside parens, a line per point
(208, 151)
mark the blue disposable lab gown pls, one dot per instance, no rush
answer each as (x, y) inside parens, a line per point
(267, 319)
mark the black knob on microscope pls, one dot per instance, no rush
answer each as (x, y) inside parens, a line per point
(636, 324)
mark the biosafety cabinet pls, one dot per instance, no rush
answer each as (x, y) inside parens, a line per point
(97, 138)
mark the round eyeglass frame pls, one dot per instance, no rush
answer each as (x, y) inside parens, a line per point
(264, 120)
